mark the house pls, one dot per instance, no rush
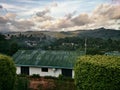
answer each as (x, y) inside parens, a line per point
(46, 63)
(113, 53)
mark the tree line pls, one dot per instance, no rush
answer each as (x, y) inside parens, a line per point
(94, 45)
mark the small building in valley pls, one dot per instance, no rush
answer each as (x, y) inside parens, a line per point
(46, 63)
(113, 53)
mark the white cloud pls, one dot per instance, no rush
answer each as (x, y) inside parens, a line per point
(12, 7)
(61, 16)
(11, 15)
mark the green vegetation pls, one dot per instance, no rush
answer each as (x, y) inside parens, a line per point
(7, 73)
(8, 47)
(97, 73)
(64, 85)
(35, 76)
(44, 83)
(22, 83)
(106, 40)
(94, 45)
(52, 83)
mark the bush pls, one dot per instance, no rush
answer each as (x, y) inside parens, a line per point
(22, 83)
(35, 76)
(97, 73)
(62, 77)
(22, 75)
(49, 77)
(64, 85)
(7, 73)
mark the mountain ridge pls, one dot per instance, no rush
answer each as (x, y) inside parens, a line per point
(93, 33)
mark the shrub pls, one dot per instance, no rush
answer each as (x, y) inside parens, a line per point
(97, 73)
(62, 77)
(7, 73)
(22, 83)
(22, 75)
(35, 76)
(64, 85)
(49, 77)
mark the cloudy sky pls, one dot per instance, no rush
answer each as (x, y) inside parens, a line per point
(58, 15)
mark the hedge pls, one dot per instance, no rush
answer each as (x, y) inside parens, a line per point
(7, 73)
(97, 73)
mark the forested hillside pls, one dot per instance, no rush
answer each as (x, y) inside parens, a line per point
(98, 41)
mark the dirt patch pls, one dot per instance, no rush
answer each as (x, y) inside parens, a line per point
(42, 84)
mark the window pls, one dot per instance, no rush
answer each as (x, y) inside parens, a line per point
(67, 72)
(44, 69)
(25, 70)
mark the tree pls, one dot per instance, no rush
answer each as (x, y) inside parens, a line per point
(13, 48)
(98, 72)
(7, 73)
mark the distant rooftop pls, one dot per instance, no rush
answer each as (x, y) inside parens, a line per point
(114, 53)
(52, 59)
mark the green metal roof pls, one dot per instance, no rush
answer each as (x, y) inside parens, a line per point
(52, 59)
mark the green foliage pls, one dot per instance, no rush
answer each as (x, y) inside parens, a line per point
(7, 46)
(97, 73)
(22, 75)
(13, 48)
(50, 77)
(7, 73)
(64, 85)
(55, 84)
(94, 45)
(61, 77)
(35, 76)
(4, 45)
(22, 83)
(94, 51)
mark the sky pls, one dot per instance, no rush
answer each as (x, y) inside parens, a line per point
(58, 15)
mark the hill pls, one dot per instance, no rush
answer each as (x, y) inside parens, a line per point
(93, 33)
(100, 33)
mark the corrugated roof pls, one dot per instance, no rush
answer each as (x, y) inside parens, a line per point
(40, 58)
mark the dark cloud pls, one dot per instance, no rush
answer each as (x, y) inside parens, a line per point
(70, 15)
(23, 24)
(3, 20)
(42, 13)
(1, 6)
(4, 28)
(82, 19)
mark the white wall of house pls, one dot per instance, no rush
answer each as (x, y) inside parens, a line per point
(36, 70)
(72, 73)
(18, 70)
(51, 72)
